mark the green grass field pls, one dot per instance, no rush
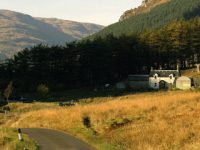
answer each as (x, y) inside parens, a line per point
(9, 141)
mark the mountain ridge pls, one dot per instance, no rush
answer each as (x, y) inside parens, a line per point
(19, 30)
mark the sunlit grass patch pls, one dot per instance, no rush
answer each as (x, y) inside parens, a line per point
(154, 120)
(9, 141)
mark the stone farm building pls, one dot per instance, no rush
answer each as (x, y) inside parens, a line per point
(158, 79)
(163, 79)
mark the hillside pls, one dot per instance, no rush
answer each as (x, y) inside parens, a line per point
(146, 6)
(156, 121)
(20, 30)
(155, 18)
(77, 30)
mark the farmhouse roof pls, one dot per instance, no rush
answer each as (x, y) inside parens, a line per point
(164, 73)
(138, 77)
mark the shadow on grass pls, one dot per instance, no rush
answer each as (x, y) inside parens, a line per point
(77, 94)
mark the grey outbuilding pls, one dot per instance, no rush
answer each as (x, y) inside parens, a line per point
(138, 81)
(183, 83)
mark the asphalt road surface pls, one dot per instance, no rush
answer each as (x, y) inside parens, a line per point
(55, 140)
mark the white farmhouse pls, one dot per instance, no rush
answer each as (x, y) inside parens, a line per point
(163, 79)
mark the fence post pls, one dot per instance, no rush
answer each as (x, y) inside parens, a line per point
(20, 134)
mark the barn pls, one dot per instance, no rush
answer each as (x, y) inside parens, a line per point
(138, 81)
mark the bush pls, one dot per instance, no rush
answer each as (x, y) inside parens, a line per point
(3, 103)
(86, 121)
(43, 90)
(6, 108)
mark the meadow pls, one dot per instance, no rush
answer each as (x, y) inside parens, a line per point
(154, 120)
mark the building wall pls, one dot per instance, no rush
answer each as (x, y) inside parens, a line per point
(183, 83)
(139, 84)
(154, 83)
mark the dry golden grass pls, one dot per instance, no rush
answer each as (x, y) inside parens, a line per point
(190, 73)
(149, 121)
(27, 107)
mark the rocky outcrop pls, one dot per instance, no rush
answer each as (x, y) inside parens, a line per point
(146, 6)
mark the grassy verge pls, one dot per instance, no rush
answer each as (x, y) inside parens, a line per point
(9, 141)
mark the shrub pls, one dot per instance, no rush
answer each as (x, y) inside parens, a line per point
(86, 121)
(43, 90)
(3, 103)
(6, 108)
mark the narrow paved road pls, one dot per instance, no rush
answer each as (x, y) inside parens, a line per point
(55, 140)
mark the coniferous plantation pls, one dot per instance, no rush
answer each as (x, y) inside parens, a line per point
(93, 63)
(78, 64)
(153, 19)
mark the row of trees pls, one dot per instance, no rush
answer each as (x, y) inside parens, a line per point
(78, 64)
(108, 60)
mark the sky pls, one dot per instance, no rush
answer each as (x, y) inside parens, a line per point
(102, 12)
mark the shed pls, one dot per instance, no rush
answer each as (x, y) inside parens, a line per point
(138, 81)
(183, 83)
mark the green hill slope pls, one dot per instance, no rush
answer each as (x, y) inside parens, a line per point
(157, 17)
